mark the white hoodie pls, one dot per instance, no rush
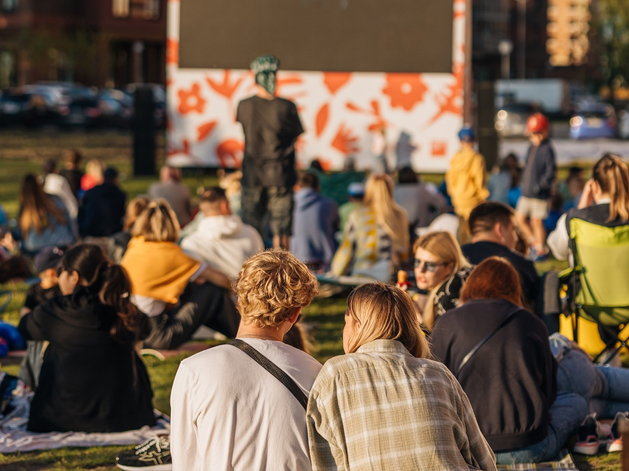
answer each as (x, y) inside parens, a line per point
(223, 243)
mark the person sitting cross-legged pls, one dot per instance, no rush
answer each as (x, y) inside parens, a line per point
(384, 405)
(228, 413)
(176, 292)
(222, 240)
(501, 356)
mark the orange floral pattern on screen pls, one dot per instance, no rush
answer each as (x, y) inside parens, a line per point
(345, 141)
(230, 149)
(335, 80)
(191, 100)
(375, 112)
(172, 51)
(205, 130)
(227, 88)
(322, 119)
(405, 90)
(452, 100)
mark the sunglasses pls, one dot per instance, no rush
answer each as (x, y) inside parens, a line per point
(428, 266)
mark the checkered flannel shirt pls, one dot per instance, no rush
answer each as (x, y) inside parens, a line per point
(381, 409)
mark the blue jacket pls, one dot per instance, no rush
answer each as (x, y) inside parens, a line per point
(315, 221)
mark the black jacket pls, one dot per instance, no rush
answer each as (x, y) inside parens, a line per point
(88, 382)
(539, 171)
(102, 211)
(529, 278)
(511, 381)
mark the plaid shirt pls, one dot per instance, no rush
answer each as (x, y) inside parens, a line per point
(383, 409)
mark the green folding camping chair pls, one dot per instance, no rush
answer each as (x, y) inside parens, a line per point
(598, 285)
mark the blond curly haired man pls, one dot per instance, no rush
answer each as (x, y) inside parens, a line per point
(228, 413)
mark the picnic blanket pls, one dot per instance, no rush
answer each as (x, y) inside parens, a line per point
(564, 462)
(14, 436)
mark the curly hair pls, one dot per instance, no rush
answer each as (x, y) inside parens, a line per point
(271, 285)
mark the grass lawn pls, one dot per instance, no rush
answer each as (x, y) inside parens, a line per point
(22, 152)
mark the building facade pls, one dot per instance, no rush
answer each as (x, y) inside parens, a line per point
(95, 42)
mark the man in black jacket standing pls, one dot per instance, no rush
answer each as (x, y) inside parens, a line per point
(103, 207)
(537, 179)
(271, 126)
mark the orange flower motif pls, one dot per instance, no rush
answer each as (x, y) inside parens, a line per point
(192, 100)
(172, 51)
(345, 141)
(405, 90)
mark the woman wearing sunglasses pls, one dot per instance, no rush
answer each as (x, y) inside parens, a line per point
(384, 405)
(440, 272)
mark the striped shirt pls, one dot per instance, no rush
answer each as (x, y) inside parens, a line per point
(383, 409)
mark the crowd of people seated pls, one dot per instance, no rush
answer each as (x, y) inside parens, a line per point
(455, 366)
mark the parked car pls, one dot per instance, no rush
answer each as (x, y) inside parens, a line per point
(28, 107)
(83, 112)
(594, 121)
(511, 119)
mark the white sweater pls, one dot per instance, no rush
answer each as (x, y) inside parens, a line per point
(229, 414)
(223, 243)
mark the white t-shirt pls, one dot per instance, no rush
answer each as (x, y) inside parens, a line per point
(229, 414)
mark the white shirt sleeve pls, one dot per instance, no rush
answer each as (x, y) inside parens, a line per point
(558, 241)
(183, 433)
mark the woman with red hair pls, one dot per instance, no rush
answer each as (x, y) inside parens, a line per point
(501, 356)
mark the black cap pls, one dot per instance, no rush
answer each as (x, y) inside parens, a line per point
(49, 257)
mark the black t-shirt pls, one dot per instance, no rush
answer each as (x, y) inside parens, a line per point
(529, 278)
(271, 128)
(37, 295)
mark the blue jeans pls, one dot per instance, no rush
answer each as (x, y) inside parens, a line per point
(606, 388)
(567, 413)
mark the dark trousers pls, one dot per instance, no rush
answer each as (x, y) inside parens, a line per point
(205, 304)
(277, 200)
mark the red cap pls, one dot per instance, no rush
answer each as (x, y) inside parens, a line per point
(537, 123)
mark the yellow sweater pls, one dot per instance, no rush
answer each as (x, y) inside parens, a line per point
(466, 181)
(159, 270)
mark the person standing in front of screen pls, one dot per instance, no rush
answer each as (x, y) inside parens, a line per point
(271, 126)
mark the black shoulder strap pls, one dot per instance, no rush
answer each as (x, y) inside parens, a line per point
(272, 368)
(471, 353)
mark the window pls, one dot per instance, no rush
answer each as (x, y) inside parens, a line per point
(9, 5)
(136, 9)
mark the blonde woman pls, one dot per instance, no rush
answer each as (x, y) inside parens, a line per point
(440, 272)
(94, 174)
(384, 405)
(604, 201)
(117, 243)
(375, 238)
(178, 293)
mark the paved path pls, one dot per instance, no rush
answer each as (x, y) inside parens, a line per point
(568, 150)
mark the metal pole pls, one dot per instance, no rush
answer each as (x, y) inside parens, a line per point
(521, 39)
(468, 77)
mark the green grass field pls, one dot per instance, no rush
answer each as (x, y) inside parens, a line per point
(22, 152)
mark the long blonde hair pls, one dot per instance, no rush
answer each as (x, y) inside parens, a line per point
(612, 175)
(383, 311)
(444, 246)
(391, 216)
(95, 168)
